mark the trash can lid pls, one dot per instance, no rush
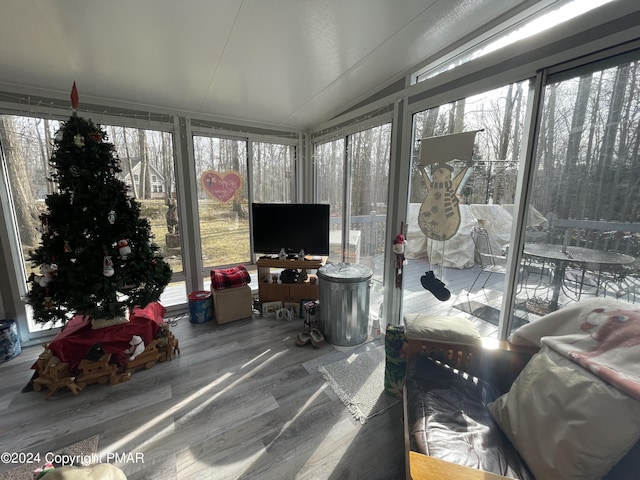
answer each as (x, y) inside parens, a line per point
(345, 272)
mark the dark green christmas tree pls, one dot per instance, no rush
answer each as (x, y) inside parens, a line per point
(96, 255)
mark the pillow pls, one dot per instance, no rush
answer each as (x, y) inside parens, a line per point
(565, 321)
(455, 330)
(566, 422)
(97, 324)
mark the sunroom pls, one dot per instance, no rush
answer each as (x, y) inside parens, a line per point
(552, 161)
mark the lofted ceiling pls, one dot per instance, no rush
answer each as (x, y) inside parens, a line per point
(292, 63)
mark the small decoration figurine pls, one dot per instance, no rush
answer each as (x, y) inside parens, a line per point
(136, 348)
(283, 254)
(107, 266)
(124, 249)
(112, 217)
(172, 216)
(78, 140)
(398, 248)
(48, 271)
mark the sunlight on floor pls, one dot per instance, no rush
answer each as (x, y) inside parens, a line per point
(186, 403)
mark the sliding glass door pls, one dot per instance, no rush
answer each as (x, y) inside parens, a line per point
(465, 162)
(582, 225)
(353, 177)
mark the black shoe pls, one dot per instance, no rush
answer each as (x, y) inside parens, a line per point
(435, 286)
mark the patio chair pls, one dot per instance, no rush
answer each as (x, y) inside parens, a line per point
(489, 262)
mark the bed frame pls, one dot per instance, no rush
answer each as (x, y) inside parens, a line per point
(494, 361)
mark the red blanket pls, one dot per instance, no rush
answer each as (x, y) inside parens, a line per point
(230, 277)
(72, 344)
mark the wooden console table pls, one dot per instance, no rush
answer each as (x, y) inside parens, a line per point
(287, 292)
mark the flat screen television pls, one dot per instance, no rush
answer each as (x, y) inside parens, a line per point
(292, 226)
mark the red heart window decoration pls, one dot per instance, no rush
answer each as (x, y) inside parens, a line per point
(221, 186)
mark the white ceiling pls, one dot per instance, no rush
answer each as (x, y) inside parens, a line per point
(294, 63)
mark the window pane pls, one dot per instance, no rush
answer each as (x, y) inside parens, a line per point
(329, 159)
(146, 156)
(221, 176)
(368, 172)
(459, 184)
(369, 153)
(27, 144)
(273, 170)
(582, 226)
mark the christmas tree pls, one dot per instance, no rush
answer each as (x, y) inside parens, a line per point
(96, 255)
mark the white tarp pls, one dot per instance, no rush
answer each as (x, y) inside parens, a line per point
(458, 252)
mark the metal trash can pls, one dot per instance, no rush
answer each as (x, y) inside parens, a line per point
(9, 341)
(200, 306)
(344, 302)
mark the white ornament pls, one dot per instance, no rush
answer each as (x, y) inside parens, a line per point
(112, 217)
(78, 140)
(136, 347)
(124, 249)
(107, 266)
(49, 271)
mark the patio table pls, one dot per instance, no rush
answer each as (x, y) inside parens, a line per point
(562, 256)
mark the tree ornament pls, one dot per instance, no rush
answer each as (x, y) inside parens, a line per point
(74, 96)
(67, 248)
(48, 271)
(74, 171)
(59, 136)
(112, 217)
(107, 266)
(124, 249)
(95, 137)
(48, 303)
(78, 140)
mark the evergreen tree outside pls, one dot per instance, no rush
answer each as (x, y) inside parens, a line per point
(96, 255)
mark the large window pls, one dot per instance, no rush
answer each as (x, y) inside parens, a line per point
(354, 180)
(144, 154)
(464, 172)
(274, 172)
(586, 182)
(523, 26)
(223, 208)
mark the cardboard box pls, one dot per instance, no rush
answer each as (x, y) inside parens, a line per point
(232, 304)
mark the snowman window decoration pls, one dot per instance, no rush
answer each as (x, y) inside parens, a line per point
(439, 216)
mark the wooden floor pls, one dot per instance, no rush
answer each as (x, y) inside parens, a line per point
(237, 403)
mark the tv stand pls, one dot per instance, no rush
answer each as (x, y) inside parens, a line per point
(287, 292)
